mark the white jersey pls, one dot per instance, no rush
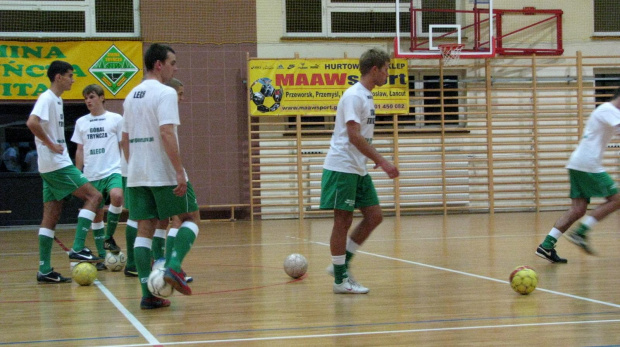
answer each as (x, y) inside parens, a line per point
(601, 127)
(148, 106)
(100, 136)
(50, 111)
(356, 104)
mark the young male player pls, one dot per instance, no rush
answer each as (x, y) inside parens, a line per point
(157, 186)
(346, 184)
(98, 136)
(60, 177)
(587, 179)
(160, 243)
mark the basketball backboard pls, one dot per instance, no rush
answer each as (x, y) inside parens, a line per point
(432, 23)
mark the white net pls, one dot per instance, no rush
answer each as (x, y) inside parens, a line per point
(451, 53)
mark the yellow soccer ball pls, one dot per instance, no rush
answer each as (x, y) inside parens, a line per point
(523, 279)
(84, 274)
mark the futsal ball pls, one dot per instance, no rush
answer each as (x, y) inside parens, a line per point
(84, 274)
(158, 264)
(157, 285)
(295, 265)
(265, 96)
(115, 262)
(523, 279)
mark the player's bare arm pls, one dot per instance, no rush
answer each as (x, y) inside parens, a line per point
(34, 124)
(362, 145)
(79, 157)
(171, 147)
(125, 145)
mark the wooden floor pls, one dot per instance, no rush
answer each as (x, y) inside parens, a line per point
(434, 281)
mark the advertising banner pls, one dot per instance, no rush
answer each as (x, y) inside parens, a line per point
(115, 65)
(314, 86)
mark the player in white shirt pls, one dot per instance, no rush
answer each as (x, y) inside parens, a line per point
(346, 184)
(60, 177)
(98, 136)
(157, 185)
(588, 179)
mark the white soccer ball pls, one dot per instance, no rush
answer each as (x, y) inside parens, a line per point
(157, 285)
(295, 265)
(115, 262)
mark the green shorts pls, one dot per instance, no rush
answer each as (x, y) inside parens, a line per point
(105, 185)
(346, 191)
(586, 185)
(60, 184)
(125, 196)
(159, 202)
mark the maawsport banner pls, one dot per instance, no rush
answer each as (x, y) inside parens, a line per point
(314, 86)
(115, 65)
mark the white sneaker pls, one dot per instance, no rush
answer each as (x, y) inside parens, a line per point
(330, 271)
(349, 287)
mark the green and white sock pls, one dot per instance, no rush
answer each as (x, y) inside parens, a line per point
(172, 234)
(351, 250)
(85, 220)
(552, 239)
(130, 238)
(585, 225)
(46, 240)
(114, 213)
(182, 244)
(340, 269)
(142, 252)
(99, 236)
(159, 244)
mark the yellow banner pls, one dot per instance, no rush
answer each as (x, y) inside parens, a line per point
(115, 65)
(314, 86)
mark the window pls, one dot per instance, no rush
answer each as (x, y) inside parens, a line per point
(73, 18)
(425, 103)
(432, 101)
(606, 13)
(606, 85)
(437, 17)
(345, 18)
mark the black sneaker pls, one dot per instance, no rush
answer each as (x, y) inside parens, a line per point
(52, 277)
(111, 246)
(101, 267)
(85, 255)
(550, 254)
(131, 271)
(153, 302)
(580, 241)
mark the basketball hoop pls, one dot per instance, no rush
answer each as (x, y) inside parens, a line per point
(451, 52)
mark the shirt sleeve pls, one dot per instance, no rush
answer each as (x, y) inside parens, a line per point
(41, 109)
(168, 109)
(76, 133)
(350, 109)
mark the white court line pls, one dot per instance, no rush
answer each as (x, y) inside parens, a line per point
(130, 317)
(383, 332)
(477, 276)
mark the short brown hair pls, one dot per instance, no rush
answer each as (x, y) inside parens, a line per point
(174, 83)
(92, 88)
(373, 57)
